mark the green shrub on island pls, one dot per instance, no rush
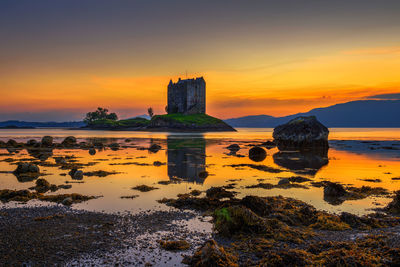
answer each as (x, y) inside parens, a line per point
(99, 114)
(106, 123)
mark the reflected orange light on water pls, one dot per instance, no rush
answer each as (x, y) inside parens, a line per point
(182, 159)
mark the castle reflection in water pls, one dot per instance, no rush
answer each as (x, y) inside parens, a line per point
(186, 158)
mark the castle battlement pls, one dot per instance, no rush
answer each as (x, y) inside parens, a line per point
(187, 96)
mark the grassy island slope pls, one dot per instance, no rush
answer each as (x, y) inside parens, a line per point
(191, 122)
(166, 122)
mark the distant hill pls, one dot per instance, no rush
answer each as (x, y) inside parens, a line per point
(362, 113)
(25, 124)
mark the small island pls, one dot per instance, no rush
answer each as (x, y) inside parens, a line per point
(186, 112)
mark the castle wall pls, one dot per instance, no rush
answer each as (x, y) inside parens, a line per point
(187, 96)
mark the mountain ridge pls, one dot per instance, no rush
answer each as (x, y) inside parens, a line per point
(360, 113)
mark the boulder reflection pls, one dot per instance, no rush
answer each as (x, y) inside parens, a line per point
(186, 158)
(302, 162)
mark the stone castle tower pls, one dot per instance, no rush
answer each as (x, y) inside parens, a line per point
(187, 96)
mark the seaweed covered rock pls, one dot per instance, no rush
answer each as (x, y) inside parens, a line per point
(114, 146)
(174, 245)
(42, 185)
(212, 255)
(302, 133)
(47, 141)
(257, 154)
(12, 143)
(218, 193)
(394, 206)
(154, 148)
(78, 175)
(334, 193)
(26, 171)
(289, 257)
(235, 219)
(92, 151)
(41, 153)
(16, 195)
(69, 141)
(233, 148)
(32, 142)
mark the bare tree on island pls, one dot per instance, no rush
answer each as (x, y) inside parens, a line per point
(150, 112)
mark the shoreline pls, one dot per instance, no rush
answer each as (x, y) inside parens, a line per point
(59, 235)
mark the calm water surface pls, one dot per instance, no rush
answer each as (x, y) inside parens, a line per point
(354, 155)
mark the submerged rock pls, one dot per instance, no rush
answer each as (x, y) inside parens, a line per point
(78, 175)
(233, 148)
(154, 148)
(144, 188)
(301, 133)
(114, 146)
(92, 151)
(257, 154)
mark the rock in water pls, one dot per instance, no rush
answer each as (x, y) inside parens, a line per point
(78, 175)
(92, 151)
(47, 140)
(257, 154)
(234, 148)
(26, 172)
(69, 141)
(334, 193)
(301, 133)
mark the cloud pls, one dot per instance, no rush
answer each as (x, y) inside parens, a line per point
(395, 96)
(394, 50)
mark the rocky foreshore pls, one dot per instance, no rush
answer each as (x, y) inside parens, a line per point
(59, 236)
(278, 231)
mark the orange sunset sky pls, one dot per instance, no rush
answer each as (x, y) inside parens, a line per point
(61, 59)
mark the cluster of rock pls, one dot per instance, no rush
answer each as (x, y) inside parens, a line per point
(43, 149)
(304, 133)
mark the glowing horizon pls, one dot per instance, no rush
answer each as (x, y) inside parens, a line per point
(254, 61)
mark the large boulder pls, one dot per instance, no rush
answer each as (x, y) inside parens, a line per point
(26, 172)
(302, 133)
(334, 193)
(47, 141)
(69, 141)
(257, 154)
